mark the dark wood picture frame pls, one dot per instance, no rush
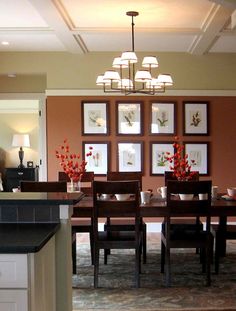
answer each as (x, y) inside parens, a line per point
(129, 121)
(99, 162)
(162, 115)
(196, 118)
(158, 164)
(200, 153)
(127, 158)
(95, 118)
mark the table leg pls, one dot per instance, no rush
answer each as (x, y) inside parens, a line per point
(222, 240)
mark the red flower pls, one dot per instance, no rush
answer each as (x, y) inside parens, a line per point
(179, 162)
(68, 161)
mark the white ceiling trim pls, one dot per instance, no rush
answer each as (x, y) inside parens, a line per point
(214, 23)
(50, 13)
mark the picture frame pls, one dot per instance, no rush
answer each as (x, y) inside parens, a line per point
(162, 118)
(196, 118)
(130, 156)
(157, 157)
(199, 152)
(129, 118)
(99, 162)
(95, 118)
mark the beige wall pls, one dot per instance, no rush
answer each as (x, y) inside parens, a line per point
(14, 123)
(213, 71)
(64, 121)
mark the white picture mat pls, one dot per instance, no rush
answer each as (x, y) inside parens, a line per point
(129, 118)
(159, 166)
(95, 118)
(162, 118)
(129, 157)
(98, 162)
(199, 110)
(197, 152)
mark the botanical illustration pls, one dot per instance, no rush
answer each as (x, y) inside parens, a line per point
(195, 157)
(129, 116)
(161, 158)
(162, 118)
(95, 118)
(97, 158)
(128, 158)
(195, 118)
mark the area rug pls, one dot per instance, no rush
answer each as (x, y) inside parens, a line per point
(188, 291)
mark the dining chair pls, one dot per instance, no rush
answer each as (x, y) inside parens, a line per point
(186, 223)
(128, 223)
(80, 225)
(221, 235)
(110, 207)
(198, 238)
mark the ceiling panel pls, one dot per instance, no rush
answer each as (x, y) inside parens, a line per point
(79, 26)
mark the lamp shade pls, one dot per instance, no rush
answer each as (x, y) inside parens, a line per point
(21, 140)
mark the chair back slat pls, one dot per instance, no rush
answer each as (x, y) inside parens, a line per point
(118, 176)
(43, 186)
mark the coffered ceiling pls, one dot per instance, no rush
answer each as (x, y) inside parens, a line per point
(80, 26)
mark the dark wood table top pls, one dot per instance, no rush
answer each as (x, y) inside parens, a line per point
(157, 207)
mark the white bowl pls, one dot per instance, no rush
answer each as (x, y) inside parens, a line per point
(122, 197)
(231, 191)
(186, 196)
(105, 196)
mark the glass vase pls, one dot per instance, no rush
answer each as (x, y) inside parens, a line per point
(74, 186)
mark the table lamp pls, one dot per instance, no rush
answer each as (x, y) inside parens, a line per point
(21, 140)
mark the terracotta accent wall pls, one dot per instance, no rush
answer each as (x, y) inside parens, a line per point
(64, 121)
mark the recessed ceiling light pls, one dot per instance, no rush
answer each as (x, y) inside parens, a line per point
(5, 43)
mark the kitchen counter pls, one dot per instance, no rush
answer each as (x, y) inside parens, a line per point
(25, 238)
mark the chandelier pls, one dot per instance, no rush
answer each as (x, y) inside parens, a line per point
(128, 80)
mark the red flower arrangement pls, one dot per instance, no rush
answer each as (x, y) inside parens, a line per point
(179, 163)
(69, 161)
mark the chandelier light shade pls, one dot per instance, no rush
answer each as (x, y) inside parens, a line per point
(128, 80)
(21, 140)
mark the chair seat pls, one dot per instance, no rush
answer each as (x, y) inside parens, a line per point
(230, 231)
(116, 235)
(188, 235)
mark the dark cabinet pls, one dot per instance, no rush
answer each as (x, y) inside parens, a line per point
(13, 176)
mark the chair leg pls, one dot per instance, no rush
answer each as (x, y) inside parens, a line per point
(74, 254)
(167, 266)
(145, 244)
(137, 268)
(96, 267)
(91, 247)
(162, 257)
(217, 255)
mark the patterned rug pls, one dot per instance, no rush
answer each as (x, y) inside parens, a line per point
(188, 291)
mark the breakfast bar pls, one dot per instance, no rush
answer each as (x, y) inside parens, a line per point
(35, 234)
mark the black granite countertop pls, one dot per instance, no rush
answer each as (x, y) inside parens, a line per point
(25, 238)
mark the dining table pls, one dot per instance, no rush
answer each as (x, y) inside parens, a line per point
(221, 208)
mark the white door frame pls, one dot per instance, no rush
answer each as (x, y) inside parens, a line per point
(42, 148)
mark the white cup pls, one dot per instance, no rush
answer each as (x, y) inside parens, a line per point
(15, 189)
(214, 192)
(145, 197)
(162, 191)
(202, 196)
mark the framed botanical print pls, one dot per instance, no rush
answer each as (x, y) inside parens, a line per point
(129, 118)
(99, 161)
(195, 116)
(130, 156)
(198, 155)
(158, 153)
(162, 118)
(95, 118)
